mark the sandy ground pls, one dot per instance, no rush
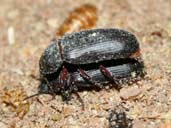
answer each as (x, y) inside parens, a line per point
(28, 26)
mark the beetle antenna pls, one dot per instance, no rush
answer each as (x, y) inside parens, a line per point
(50, 87)
(47, 82)
(35, 77)
(40, 93)
(37, 94)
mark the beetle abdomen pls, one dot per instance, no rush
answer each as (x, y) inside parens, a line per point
(129, 71)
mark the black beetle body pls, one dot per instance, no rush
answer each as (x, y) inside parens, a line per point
(85, 47)
(90, 58)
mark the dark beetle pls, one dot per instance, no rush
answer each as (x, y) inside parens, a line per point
(90, 58)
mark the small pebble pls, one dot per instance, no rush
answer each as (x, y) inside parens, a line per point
(130, 93)
(11, 35)
(52, 22)
(56, 117)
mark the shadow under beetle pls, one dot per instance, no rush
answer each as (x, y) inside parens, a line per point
(89, 59)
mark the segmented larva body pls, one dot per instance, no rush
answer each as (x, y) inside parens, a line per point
(83, 17)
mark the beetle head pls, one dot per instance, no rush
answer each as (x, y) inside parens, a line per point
(50, 60)
(43, 88)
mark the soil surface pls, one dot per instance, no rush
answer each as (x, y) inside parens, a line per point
(27, 27)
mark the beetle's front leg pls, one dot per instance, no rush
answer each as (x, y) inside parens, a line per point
(87, 78)
(65, 82)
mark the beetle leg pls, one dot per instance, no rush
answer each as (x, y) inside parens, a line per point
(63, 76)
(64, 80)
(87, 78)
(109, 76)
(51, 89)
(80, 99)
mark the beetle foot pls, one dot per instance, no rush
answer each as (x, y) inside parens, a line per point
(53, 96)
(80, 100)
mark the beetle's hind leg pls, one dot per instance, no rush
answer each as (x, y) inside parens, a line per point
(110, 77)
(87, 78)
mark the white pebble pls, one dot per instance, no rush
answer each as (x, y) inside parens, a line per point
(11, 36)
